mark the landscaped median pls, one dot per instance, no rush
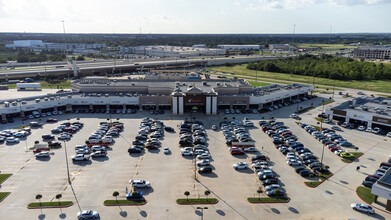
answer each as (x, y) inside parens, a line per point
(267, 200)
(39, 205)
(124, 202)
(3, 195)
(365, 194)
(4, 177)
(322, 177)
(351, 159)
(197, 201)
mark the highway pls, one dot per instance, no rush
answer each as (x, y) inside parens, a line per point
(119, 65)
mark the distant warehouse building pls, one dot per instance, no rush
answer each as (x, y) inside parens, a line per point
(378, 52)
(239, 47)
(174, 51)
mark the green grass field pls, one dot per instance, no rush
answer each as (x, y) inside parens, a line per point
(258, 84)
(325, 46)
(372, 85)
(49, 85)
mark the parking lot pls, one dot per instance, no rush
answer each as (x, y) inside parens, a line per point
(171, 175)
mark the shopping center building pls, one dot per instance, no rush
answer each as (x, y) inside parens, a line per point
(175, 93)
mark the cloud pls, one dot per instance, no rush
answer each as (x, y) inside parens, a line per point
(297, 4)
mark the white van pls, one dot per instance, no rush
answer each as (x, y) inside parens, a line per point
(36, 114)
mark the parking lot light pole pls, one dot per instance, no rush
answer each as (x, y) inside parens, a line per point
(321, 161)
(195, 165)
(66, 160)
(202, 211)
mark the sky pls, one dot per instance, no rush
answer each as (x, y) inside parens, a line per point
(196, 16)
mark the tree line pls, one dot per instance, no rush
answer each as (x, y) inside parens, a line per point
(326, 66)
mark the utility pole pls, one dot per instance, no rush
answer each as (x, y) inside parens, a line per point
(65, 39)
(66, 160)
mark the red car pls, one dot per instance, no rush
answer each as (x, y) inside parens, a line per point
(70, 130)
(286, 133)
(334, 149)
(237, 152)
(51, 120)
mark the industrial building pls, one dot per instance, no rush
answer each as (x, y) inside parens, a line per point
(239, 47)
(39, 45)
(173, 51)
(377, 52)
(366, 111)
(177, 95)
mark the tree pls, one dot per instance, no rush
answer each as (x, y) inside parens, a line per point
(36, 142)
(187, 194)
(116, 194)
(207, 192)
(59, 196)
(39, 197)
(259, 191)
(277, 192)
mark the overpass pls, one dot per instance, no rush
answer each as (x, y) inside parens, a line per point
(115, 65)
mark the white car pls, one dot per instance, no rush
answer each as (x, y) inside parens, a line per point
(361, 128)
(54, 113)
(376, 130)
(60, 112)
(240, 166)
(203, 156)
(20, 134)
(293, 115)
(80, 157)
(389, 134)
(248, 124)
(363, 208)
(294, 162)
(99, 154)
(87, 214)
(214, 127)
(272, 187)
(166, 150)
(98, 148)
(42, 154)
(49, 114)
(140, 183)
(250, 149)
(12, 140)
(327, 120)
(31, 116)
(43, 114)
(368, 129)
(186, 152)
(203, 162)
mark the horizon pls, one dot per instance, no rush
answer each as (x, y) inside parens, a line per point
(200, 17)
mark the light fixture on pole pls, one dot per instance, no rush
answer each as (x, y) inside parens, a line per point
(202, 211)
(66, 160)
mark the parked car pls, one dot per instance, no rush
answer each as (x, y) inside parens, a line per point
(87, 214)
(363, 208)
(203, 162)
(205, 169)
(99, 154)
(139, 183)
(132, 150)
(240, 166)
(80, 157)
(42, 154)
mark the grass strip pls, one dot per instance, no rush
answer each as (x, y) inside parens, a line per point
(62, 204)
(328, 102)
(197, 201)
(124, 202)
(349, 160)
(365, 194)
(258, 84)
(267, 200)
(4, 176)
(312, 184)
(305, 110)
(3, 195)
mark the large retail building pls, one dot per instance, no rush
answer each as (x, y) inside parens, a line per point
(175, 93)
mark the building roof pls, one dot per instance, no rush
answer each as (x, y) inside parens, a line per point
(378, 105)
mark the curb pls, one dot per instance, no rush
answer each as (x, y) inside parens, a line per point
(5, 196)
(126, 204)
(270, 202)
(370, 204)
(198, 203)
(320, 182)
(50, 207)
